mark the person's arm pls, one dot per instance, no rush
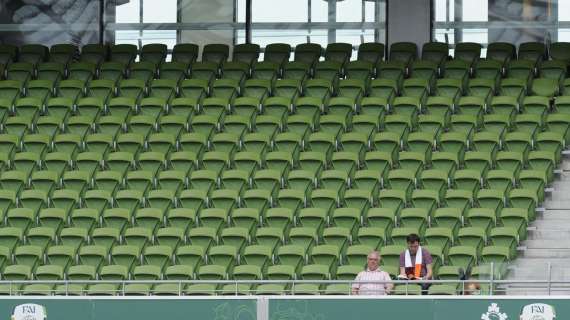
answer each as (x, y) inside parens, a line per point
(356, 286)
(429, 272)
(402, 266)
(388, 286)
(429, 265)
(354, 290)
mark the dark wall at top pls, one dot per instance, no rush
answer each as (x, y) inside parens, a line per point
(523, 11)
(409, 20)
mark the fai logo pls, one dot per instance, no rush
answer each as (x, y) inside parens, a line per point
(494, 313)
(29, 311)
(538, 311)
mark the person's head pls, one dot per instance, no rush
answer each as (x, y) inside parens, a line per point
(373, 260)
(472, 288)
(413, 242)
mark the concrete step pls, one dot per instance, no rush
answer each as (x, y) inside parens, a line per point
(553, 224)
(561, 202)
(565, 165)
(528, 275)
(540, 263)
(547, 244)
(548, 234)
(559, 214)
(536, 285)
(546, 253)
(544, 291)
(539, 273)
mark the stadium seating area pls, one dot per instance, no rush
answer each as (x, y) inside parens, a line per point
(117, 165)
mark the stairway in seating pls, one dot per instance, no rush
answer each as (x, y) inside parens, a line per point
(548, 243)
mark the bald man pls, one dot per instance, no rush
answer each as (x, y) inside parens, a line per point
(372, 273)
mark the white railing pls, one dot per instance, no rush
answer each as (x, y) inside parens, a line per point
(249, 287)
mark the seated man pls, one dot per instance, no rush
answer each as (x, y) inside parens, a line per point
(372, 273)
(415, 262)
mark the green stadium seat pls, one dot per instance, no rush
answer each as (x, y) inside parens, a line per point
(440, 237)
(293, 256)
(148, 273)
(257, 255)
(13, 182)
(545, 87)
(173, 70)
(183, 218)
(138, 237)
(124, 53)
(153, 52)
(86, 218)
(10, 237)
(371, 52)
(468, 52)
(349, 218)
(374, 237)
(484, 217)
(203, 237)
(126, 256)
(185, 53)
(405, 52)
(21, 218)
(82, 71)
(235, 237)
(356, 256)
(176, 272)
(217, 53)
(489, 69)
(270, 237)
(221, 256)
(400, 234)
(499, 257)
(491, 199)
(74, 237)
(170, 236)
(407, 290)
(17, 273)
(113, 71)
(106, 237)
(427, 70)
(93, 255)
(501, 51)
(469, 180)
(534, 51)
(327, 70)
(41, 89)
(442, 290)
(464, 257)
(304, 237)
(62, 256)
(326, 199)
(20, 71)
(475, 237)
(41, 237)
(190, 256)
(193, 199)
(391, 256)
(337, 236)
(53, 218)
(308, 53)
(8, 53)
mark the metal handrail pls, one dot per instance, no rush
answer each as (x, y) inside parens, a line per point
(395, 282)
(220, 287)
